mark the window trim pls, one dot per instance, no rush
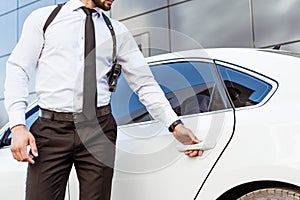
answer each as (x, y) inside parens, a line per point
(174, 60)
(254, 74)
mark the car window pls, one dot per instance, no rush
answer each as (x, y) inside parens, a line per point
(31, 116)
(189, 86)
(244, 89)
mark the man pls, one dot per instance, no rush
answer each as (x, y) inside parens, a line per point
(57, 140)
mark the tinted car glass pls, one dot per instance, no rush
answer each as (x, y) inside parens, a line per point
(31, 116)
(189, 86)
(244, 90)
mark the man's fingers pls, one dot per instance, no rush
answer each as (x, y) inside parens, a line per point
(22, 156)
(24, 153)
(187, 137)
(21, 138)
(195, 141)
(194, 138)
(200, 153)
(17, 153)
(194, 153)
(26, 157)
(29, 159)
(33, 146)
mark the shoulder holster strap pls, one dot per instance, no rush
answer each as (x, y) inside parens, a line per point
(113, 35)
(52, 16)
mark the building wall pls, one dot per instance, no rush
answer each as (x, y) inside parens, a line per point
(12, 16)
(186, 24)
(161, 26)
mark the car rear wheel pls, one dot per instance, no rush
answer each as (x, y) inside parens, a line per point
(272, 193)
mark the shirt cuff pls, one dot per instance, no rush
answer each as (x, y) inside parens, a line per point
(16, 118)
(171, 121)
(168, 117)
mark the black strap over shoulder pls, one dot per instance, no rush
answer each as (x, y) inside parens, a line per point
(52, 16)
(113, 35)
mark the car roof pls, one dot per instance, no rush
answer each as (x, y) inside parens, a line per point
(217, 53)
(263, 61)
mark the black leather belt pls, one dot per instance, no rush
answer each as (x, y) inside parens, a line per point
(70, 117)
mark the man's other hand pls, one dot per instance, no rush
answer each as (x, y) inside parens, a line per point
(187, 137)
(21, 138)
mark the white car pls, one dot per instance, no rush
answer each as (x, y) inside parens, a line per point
(243, 104)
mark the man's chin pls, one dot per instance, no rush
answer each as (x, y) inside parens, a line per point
(106, 8)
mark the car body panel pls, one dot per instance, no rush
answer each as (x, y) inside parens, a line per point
(12, 176)
(264, 151)
(144, 164)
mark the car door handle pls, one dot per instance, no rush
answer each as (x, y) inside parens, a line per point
(203, 145)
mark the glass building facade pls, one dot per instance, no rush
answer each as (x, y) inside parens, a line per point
(161, 26)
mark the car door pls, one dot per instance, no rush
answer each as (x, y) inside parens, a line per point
(149, 164)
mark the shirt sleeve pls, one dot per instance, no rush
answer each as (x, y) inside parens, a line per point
(137, 73)
(21, 63)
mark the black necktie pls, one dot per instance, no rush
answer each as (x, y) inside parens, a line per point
(89, 81)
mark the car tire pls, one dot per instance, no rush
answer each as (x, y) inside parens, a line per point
(272, 193)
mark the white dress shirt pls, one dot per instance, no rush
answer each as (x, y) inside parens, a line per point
(58, 58)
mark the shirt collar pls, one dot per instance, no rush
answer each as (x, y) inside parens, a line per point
(77, 4)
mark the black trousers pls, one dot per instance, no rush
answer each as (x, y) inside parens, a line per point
(90, 147)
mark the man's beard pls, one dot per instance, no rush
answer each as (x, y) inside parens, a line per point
(102, 5)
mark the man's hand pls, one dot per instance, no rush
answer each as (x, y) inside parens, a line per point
(21, 138)
(186, 137)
